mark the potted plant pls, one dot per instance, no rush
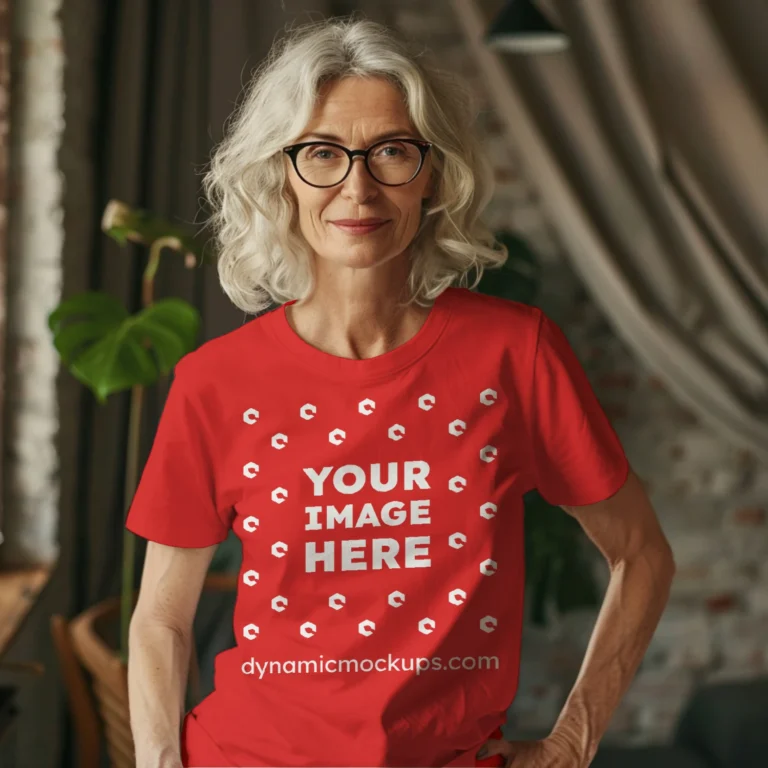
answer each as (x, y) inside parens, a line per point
(110, 350)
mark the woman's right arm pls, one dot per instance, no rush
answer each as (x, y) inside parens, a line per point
(159, 646)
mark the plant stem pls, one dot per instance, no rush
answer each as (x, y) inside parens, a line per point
(122, 222)
(133, 449)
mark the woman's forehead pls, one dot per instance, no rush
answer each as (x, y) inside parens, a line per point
(362, 99)
(340, 136)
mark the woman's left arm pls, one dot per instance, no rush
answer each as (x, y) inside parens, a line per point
(627, 532)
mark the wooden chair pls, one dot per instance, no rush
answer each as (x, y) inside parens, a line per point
(103, 705)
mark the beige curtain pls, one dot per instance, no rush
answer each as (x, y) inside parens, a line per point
(648, 141)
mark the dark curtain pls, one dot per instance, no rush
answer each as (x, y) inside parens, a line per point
(5, 87)
(171, 73)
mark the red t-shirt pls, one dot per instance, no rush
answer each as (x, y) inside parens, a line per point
(379, 505)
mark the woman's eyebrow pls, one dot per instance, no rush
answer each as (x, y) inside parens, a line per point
(405, 133)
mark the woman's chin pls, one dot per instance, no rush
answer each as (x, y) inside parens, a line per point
(358, 257)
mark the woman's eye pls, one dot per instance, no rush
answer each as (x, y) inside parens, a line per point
(321, 153)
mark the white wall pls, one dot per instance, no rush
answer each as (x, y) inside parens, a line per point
(30, 463)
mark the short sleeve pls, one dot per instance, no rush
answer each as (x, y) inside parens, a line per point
(176, 501)
(576, 456)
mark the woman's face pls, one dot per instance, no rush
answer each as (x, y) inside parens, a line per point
(357, 112)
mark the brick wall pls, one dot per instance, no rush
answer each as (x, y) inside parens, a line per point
(710, 496)
(30, 462)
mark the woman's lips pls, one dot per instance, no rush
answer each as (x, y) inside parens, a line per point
(357, 230)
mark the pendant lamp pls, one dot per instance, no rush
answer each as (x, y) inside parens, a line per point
(522, 28)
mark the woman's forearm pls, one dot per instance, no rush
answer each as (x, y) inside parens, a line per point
(157, 673)
(635, 599)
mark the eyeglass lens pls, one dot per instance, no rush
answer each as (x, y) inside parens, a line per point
(393, 162)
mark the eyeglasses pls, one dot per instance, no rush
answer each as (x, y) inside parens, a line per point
(392, 162)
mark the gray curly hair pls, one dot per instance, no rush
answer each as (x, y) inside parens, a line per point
(262, 256)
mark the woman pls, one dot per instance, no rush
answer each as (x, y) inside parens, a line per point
(370, 441)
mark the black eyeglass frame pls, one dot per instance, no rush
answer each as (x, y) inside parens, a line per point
(294, 149)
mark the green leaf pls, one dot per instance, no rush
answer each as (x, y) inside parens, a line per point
(109, 350)
(228, 556)
(518, 278)
(89, 304)
(558, 571)
(540, 594)
(576, 587)
(119, 234)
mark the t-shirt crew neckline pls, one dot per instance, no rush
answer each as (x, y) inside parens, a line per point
(377, 367)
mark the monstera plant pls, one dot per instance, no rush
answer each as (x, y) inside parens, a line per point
(110, 350)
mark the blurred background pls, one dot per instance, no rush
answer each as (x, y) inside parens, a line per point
(630, 144)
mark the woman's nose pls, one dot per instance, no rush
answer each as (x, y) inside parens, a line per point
(359, 181)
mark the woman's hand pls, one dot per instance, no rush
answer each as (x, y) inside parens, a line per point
(543, 753)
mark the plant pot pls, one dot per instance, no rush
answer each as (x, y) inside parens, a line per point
(109, 677)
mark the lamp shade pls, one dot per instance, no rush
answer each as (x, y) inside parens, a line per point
(522, 28)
